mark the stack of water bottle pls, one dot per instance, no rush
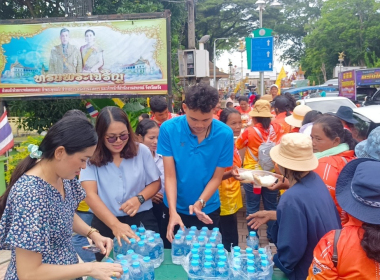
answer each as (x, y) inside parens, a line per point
(139, 259)
(203, 256)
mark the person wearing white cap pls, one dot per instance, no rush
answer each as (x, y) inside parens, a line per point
(305, 213)
(296, 118)
(273, 90)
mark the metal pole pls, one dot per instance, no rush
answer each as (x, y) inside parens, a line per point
(191, 25)
(261, 73)
(215, 64)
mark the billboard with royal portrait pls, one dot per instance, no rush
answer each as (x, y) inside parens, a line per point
(115, 57)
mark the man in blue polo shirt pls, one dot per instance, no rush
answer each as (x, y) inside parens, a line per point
(196, 149)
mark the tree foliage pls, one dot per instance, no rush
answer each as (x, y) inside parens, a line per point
(349, 26)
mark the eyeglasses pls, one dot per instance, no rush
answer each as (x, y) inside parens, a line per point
(122, 137)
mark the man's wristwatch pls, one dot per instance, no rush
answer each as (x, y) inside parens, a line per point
(140, 198)
(202, 202)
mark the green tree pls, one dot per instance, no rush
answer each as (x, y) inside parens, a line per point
(351, 26)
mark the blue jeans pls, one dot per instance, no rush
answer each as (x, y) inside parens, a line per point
(79, 241)
(253, 203)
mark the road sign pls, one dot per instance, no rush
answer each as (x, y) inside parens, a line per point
(262, 54)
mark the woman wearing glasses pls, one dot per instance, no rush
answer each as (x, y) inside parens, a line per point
(121, 178)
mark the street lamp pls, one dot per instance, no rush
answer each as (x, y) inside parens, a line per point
(215, 58)
(261, 6)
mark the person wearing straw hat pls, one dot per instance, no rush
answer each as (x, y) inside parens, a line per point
(353, 252)
(305, 213)
(370, 148)
(251, 139)
(296, 118)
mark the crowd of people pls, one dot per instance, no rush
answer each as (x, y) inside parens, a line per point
(323, 212)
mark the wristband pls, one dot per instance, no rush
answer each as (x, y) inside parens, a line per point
(91, 231)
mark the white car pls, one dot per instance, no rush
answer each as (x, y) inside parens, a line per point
(327, 104)
(368, 118)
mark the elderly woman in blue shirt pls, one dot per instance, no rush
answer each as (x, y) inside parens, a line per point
(120, 179)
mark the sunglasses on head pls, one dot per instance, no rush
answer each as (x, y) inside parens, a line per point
(122, 137)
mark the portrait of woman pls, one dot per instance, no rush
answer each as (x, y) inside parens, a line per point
(92, 55)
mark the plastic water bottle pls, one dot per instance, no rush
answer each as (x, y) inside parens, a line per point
(220, 247)
(143, 238)
(208, 246)
(193, 252)
(133, 244)
(187, 244)
(236, 249)
(252, 240)
(203, 234)
(236, 273)
(208, 270)
(194, 270)
(251, 263)
(249, 251)
(142, 249)
(223, 259)
(219, 254)
(119, 258)
(193, 235)
(262, 251)
(265, 274)
(153, 250)
(160, 243)
(148, 269)
(221, 271)
(149, 233)
(210, 260)
(251, 273)
(177, 249)
(194, 228)
(195, 257)
(125, 275)
(218, 234)
(201, 241)
(136, 271)
(212, 241)
(136, 258)
(141, 230)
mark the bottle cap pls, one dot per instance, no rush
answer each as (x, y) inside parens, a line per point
(205, 228)
(132, 240)
(143, 237)
(194, 251)
(208, 258)
(236, 249)
(215, 229)
(201, 238)
(208, 246)
(151, 239)
(141, 243)
(220, 246)
(196, 245)
(208, 252)
(134, 227)
(212, 239)
(194, 263)
(221, 252)
(141, 230)
(194, 228)
(120, 256)
(250, 263)
(189, 237)
(177, 236)
(195, 257)
(191, 232)
(135, 257)
(207, 265)
(249, 250)
(180, 231)
(263, 257)
(250, 256)
(130, 252)
(236, 267)
(203, 233)
(125, 269)
(237, 254)
(223, 258)
(136, 264)
(264, 263)
(156, 235)
(252, 233)
(146, 259)
(262, 251)
(221, 264)
(124, 262)
(251, 269)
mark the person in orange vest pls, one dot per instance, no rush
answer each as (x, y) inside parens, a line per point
(282, 109)
(334, 147)
(353, 252)
(160, 112)
(231, 199)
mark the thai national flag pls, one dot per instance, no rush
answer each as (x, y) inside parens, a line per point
(91, 110)
(6, 136)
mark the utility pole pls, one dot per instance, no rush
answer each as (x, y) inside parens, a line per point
(190, 38)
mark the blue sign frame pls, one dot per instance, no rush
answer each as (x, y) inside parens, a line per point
(262, 54)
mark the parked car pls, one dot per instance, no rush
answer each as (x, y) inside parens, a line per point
(332, 82)
(372, 98)
(327, 104)
(368, 118)
(312, 91)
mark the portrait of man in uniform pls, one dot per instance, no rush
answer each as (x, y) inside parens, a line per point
(65, 58)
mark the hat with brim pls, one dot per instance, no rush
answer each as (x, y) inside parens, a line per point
(370, 148)
(346, 114)
(296, 118)
(267, 97)
(295, 152)
(261, 109)
(358, 190)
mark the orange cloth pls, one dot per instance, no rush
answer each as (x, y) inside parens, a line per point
(229, 191)
(280, 119)
(329, 169)
(250, 139)
(295, 130)
(243, 112)
(353, 263)
(215, 117)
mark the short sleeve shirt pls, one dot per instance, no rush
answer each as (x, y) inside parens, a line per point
(195, 163)
(37, 218)
(118, 184)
